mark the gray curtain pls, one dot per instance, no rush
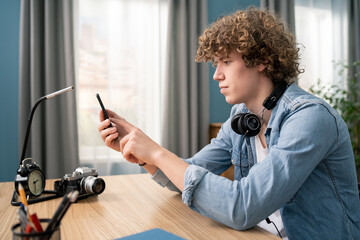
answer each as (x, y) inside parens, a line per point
(354, 33)
(47, 65)
(284, 8)
(186, 114)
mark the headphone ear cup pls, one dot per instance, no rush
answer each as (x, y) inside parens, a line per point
(236, 123)
(246, 123)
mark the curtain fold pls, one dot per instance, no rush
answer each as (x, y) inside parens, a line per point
(46, 66)
(186, 114)
(354, 35)
(284, 8)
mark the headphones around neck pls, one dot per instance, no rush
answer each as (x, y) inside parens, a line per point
(249, 123)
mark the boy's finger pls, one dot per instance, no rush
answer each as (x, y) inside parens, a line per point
(123, 123)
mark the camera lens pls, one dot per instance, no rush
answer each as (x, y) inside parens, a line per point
(93, 185)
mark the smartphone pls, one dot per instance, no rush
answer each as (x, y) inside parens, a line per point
(103, 108)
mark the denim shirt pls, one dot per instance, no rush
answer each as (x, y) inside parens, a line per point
(309, 173)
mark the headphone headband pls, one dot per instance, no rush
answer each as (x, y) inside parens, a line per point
(278, 91)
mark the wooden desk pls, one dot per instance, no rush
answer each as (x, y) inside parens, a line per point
(130, 204)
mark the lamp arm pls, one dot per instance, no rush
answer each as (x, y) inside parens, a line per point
(29, 126)
(32, 114)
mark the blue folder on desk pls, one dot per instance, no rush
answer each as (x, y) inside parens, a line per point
(153, 234)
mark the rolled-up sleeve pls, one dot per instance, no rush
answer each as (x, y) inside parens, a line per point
(193, 176)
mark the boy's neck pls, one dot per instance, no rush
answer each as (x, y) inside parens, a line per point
(256, 105)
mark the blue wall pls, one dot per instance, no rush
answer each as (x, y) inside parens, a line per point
(9, 75)
(219, 108)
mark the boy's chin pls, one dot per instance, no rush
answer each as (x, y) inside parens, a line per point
(230, 101)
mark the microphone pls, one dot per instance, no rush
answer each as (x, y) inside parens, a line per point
(51, 95)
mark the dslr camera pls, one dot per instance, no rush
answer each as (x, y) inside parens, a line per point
(84, 180)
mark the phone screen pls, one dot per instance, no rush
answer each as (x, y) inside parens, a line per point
(102, 107)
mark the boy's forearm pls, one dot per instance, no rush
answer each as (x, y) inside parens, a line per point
(150, 169)
(173, 167)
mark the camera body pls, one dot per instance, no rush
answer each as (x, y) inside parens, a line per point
(83, 179)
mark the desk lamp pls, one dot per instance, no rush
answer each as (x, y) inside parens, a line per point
(29, 174)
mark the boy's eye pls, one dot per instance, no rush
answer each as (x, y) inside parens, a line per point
(227, 62)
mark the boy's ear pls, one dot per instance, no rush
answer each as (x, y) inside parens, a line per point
(261, 67)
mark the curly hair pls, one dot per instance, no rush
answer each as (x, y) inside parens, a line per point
(259, 36)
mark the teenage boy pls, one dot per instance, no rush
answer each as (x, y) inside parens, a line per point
(294, 164)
